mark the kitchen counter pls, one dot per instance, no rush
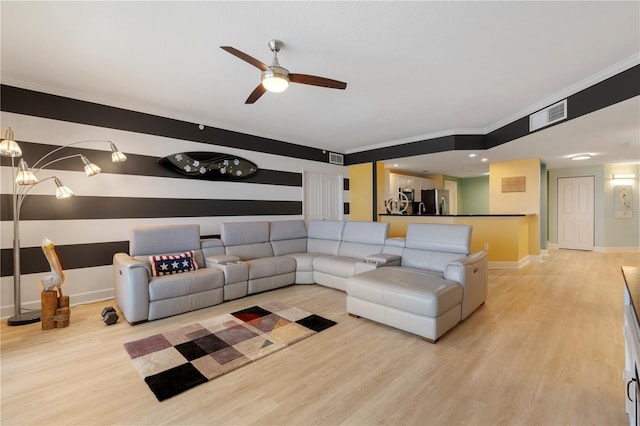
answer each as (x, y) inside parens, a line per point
(453, 215)
(631, 276)
(511, 240)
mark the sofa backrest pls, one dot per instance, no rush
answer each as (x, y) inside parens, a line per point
(324, 236)
(361, 239)
(431, 246)
(247, 240)
(288, 236)
(394, 245)
(145, 241)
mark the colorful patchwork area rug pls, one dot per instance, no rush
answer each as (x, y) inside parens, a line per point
(180, 359)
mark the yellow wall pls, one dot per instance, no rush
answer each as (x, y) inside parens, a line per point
(515, 202)
(360, 192)
(508, 237)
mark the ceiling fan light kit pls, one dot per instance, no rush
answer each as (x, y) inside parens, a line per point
(276, 78)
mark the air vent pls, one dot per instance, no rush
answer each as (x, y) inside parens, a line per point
(335, 158)
(547, 116)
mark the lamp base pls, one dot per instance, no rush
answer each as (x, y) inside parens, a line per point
(25, 318)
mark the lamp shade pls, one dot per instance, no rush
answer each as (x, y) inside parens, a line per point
(8, 146)
(25, 176)
(62, 191)
(275, 79)
(116, 155)
(89, 168)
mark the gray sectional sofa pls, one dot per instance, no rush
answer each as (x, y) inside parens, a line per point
(424, 284)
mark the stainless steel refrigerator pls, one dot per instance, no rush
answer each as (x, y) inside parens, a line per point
(436, 201)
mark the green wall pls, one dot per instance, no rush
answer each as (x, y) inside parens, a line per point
(474, 195)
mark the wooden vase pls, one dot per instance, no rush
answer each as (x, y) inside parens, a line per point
(49, 301)
(56, 312)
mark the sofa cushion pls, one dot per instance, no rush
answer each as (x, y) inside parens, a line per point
(250, 251)
(288, 236)
(149, 240)
(439, 237)
(365, 232)
(304, 261)
(271, 266)
(406, 289)
(340, 266)
(324, 236)
(176, 285)
(427, 260)
(167, 265)
(240, 233)
(326, 229)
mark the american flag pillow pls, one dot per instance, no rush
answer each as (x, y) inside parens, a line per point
(166, 265)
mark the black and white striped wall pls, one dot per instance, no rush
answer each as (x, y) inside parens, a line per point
(94, 224)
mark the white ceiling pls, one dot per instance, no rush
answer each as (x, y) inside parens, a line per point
(414, 69)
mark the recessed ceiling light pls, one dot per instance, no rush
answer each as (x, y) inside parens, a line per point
(472, 155)
(581, 157)
(395, 165)
(485, 159)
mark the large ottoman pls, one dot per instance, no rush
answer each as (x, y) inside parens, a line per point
(412, 300)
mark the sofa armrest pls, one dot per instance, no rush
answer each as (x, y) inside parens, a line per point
(472, 273)
(375, 261)
(131, 287)
(221, 260)
(383, 259)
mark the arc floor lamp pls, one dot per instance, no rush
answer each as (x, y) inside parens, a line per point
(23, 181)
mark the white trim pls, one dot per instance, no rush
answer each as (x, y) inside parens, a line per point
(510, 265)
(617, 249)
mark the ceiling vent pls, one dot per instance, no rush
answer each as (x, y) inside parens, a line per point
(335, 158)
(547, 116)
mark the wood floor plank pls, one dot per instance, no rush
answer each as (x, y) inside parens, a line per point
(546, 349)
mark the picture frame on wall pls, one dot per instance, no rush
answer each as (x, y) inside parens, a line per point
(623, 202)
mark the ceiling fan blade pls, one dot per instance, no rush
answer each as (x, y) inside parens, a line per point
(250, 59)
(317, 81)
(255, 95)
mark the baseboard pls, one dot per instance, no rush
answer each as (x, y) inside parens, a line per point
(617, 249)
(554, 246)
(510, 265)
(76, 299)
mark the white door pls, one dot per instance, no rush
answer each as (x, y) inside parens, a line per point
(322, 196)
(452, 187)
(576, 213)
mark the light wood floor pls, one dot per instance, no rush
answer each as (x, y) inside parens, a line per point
(546, 349)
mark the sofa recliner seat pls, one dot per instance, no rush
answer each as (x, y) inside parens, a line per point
(437, 285)
(142, 296)
(249, 241)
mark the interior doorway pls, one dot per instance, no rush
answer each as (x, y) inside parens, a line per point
(576, 213)
(322, 196)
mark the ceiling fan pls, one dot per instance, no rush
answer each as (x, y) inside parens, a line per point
(276, 78)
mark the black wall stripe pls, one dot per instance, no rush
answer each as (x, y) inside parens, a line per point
(617, 88)
(608, 92)
(71, 257)
(38, 104)
(47, 207)
(429, 146)
(137, 165)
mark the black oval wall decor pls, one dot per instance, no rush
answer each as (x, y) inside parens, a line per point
(209, 165)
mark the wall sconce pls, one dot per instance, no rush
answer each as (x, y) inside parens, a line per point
(624, 176)
(24, 180)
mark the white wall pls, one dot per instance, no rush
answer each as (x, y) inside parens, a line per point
(95, 282)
